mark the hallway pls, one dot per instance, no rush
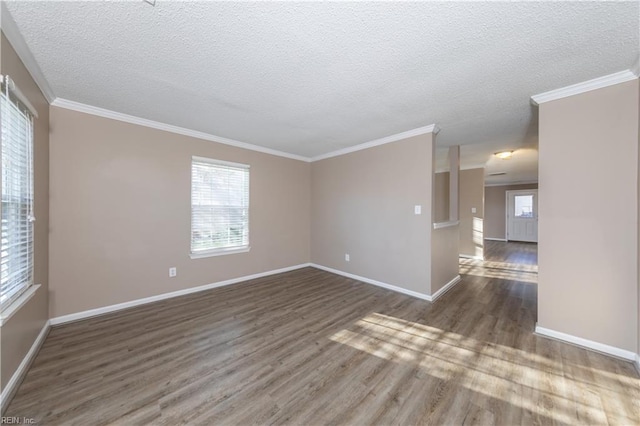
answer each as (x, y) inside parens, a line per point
(505, 260)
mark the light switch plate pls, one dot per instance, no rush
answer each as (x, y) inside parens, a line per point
(417, 209)
(473, 210)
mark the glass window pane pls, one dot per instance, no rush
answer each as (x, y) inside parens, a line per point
(523, 206)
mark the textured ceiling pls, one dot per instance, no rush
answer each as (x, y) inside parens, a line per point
(310, 78)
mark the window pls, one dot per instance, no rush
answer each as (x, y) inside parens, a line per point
(523, 206)
(219, 207)
(16, 253)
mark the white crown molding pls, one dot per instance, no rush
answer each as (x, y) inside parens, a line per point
(585, 343)
(114, 115)
(125, 305)
(12, 386)
(585, 86)
(10, 30)
(377, 142)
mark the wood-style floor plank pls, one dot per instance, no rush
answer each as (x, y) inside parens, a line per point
(310, 347)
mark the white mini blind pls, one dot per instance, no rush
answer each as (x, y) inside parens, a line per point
(219, 206)
(16, 253)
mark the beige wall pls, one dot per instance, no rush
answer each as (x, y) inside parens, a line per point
(588, 225)
(120, 212)
(495, 208)
(444, 256)
(441, 197)
(363, 204)
(471, 224)
(19, 333)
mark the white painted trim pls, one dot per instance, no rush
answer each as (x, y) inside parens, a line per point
(15, 306)
(523, 182)
(16, 379)
(637, 363)
(468, 256)
(208, 160)
(19, 94)
(10, 30)
(113, 115)
(585, 86)
(448, 286)
(218, 252)
(382, 141)
(374, 282)
(507, 193)
(589, 344)
(447, 224)
(506, 214)
(467, 167)
(496, 239)
(636, 67)
(120, 306)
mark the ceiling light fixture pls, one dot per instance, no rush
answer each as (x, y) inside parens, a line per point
(504, 155)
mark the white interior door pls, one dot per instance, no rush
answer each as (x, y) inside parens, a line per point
(522, 215)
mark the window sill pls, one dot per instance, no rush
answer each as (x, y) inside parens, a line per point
(14, 306)
(222, 252)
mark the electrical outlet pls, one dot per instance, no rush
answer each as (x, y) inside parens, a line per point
(173, 272)
(417, 209)
(346, 257)
(473, 210)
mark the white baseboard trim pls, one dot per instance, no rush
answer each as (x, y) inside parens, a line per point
(374, 282)
(16, 379)
(448, 286)
(637, 363)
(468, 256)
(504, 240)
(120, 306)
(589, 344)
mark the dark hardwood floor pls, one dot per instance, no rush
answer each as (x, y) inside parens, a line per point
(511, 261)
(308, 348)
(513, 252)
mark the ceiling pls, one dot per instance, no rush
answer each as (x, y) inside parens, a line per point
(311, 78)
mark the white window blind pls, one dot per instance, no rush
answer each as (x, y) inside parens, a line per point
(16, 253)
(219, 206)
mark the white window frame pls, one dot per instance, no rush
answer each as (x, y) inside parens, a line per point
(20, 294)
(202, 253)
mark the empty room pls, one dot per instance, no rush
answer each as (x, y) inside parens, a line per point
(308, 213)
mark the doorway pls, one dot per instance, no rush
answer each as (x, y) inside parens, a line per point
(522, 215)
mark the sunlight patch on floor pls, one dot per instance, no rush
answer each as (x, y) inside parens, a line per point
(500, 270)
(496, 371)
